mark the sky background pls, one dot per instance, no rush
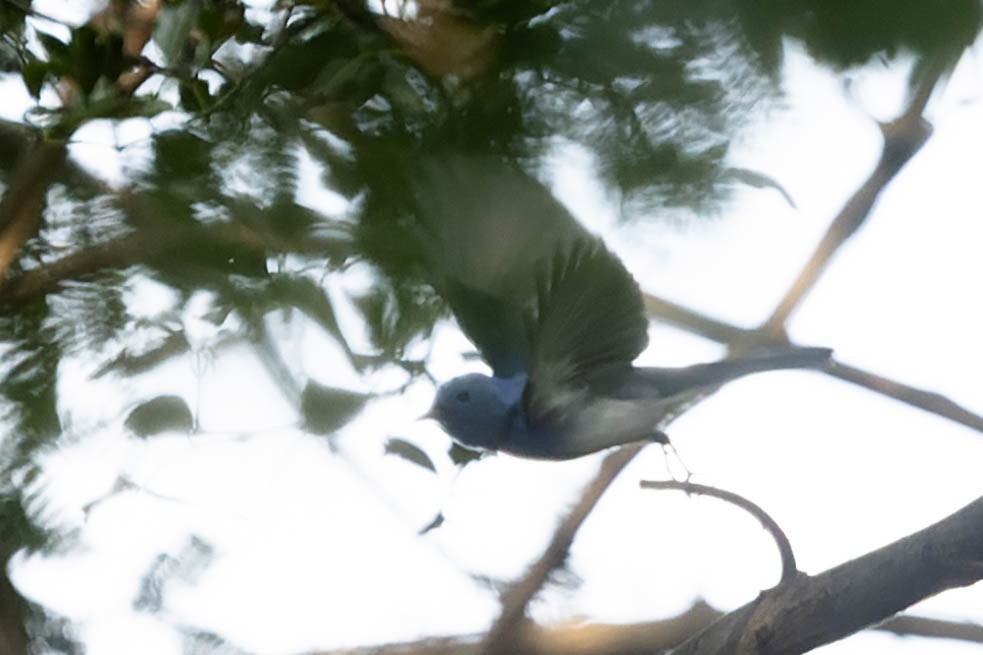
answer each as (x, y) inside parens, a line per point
(315, 548)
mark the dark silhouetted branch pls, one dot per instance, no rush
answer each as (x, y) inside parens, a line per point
(806, 612)
(789, 569)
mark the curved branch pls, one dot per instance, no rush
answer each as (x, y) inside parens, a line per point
(806, 612)
(789, 568)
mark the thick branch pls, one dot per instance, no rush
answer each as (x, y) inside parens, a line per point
(807, 612)
(643, 638)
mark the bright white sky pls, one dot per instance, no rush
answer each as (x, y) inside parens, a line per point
(315, 549)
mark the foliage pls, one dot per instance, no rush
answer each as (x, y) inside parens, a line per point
(656, 92)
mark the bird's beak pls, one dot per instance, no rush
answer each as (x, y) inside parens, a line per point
(433, 412)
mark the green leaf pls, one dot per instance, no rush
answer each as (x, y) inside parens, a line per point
(171, 30)
(161, 414)
(758, 181)
(194, 95)
(462, 456)
(33, 73)
(327, 409)
(410, 452)
(55, 47)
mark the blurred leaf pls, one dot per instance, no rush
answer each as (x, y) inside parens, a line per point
(462, 456)
(57, 49)
(172, 28)
(220, 20)
(758, 181)
(309, 297)
(161, 414)
(129, 107)
(433, 525)
(327, 409)
(33, 73)
(94, 55)
(194, 95)
(130, 363)
(410, 452)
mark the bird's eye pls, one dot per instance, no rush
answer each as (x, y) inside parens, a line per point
(464, 397)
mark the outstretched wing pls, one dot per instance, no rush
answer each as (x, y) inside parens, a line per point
(485, 229)
(588, 325)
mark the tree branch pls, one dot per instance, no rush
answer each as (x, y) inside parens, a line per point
(903, 137)
(794, 617)
(147, 246)
(929, 401)
(725, 333)
(789, 569)
(23, 201)
(920, 626)
(806, 612)
(501, 637)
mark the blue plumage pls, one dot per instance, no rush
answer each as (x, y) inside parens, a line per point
(557, 317)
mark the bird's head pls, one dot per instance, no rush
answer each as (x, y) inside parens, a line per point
(472, 410)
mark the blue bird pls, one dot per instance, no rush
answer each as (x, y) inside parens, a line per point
(557, 317)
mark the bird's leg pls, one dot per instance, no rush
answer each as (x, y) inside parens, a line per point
(670, 452)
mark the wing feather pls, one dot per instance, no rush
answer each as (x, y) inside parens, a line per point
(588, 322)
(485, 228)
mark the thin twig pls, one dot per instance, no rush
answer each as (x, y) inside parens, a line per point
(789, 569)
(503, 633)
(903, 137)
(725, 333)
(929, 401)
(694, 322)
(920, 626)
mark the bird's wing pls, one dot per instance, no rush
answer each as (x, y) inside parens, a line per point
(588, 324)
(485, 228)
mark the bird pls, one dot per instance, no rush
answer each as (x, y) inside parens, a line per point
(557, 317)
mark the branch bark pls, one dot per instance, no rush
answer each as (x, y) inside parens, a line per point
(903, 137)
(23, 201)
(501, 638)
(789, 568)
(721, 332)
(794, 617)
(807, 612)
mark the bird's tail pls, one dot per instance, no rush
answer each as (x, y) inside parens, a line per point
(670, 381)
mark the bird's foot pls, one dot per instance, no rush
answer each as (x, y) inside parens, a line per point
(672, 455)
